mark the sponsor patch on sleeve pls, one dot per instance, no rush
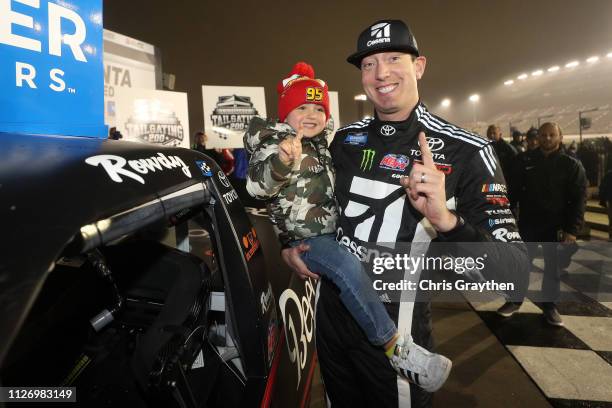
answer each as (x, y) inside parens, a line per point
(356, 139)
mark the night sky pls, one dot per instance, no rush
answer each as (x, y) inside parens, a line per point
(470, 45)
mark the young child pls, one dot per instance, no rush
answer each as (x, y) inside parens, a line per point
(291, 167)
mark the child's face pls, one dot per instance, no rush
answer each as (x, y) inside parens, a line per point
(310, 116)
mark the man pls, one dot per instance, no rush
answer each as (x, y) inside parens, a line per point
(532, 139)
(549, 188)
(372, 157)
(572, 150)
(239, 179)
(505, 151)
(200, 139)
(605, 199)
(114, 134)
(517, 141)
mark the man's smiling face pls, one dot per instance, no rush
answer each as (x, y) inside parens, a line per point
(390, 81)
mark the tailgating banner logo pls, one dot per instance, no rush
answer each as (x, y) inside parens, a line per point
(232, 113)
(165, 129)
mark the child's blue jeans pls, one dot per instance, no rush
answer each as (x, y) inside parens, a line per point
(328, 258)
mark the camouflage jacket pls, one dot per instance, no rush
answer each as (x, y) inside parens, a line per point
(301, 200)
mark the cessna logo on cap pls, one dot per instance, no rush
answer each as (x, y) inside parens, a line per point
(382, 33)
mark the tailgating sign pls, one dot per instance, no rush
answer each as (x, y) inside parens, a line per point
(51, 69)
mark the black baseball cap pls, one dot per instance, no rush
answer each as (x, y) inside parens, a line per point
(384, 35)
(531, 133)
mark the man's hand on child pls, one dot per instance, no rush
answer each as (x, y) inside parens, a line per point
(291, 256)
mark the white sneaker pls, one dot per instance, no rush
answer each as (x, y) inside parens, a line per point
(426, 369)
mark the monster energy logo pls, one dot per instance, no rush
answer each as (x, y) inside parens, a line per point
(367, 159)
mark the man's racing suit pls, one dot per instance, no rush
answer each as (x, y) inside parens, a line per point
(370, 156)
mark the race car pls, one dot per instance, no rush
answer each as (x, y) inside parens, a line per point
(103, 291)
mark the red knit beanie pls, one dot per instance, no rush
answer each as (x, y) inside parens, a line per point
(301, 87)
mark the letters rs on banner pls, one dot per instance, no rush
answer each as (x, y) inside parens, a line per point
(52, 74)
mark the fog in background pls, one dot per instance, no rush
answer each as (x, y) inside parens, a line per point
(472, 46)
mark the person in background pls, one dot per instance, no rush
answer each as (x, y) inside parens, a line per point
(239, 179)
(532, 139)
(605, 199)
(549, 188)
(504, 150)
(517, 141)
(241, 163)
(200, 139)
(572, 150)
(227, 161)
(114, 134)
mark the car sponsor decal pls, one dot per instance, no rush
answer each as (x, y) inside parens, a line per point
(299, 329)
(115, 166)
(250, 243)
(223, 179)
(204, 168)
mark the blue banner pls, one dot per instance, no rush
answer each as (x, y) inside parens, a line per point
(51, 71)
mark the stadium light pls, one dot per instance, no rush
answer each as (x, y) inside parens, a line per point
(474, 98)
(445, 103)
(572, 64)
